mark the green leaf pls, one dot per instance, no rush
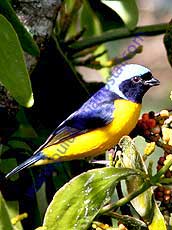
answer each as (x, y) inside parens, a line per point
(25, 38)
(90, 21)
(158, 221)
(109, 19)
(77, 203)
(13, 71)
(5, 222)
(19, 144)
(13, 210)
(132, 159)
(144, 204)
(126, 9)
(25, 130)
(41, 196)
(6, 165)
(93, 27)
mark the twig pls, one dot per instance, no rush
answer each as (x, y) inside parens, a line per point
(125, 199)
(116, 34)
(127, 219)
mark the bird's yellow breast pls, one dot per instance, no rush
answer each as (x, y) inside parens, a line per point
(95, 142)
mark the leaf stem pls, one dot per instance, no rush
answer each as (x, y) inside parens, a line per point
(153, 181)
(115, 34)
(166, 181)
(161, 172)
(125, 199)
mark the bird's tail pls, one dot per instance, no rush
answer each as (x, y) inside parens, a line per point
(33, 159)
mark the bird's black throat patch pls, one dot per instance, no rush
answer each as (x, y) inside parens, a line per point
(133, 91)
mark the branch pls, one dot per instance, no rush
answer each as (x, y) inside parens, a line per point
(153, 181)
(116, 34)
(125, 199)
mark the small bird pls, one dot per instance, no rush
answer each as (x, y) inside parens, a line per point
(100, 122)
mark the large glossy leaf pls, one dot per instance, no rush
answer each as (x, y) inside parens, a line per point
(5, 222)
(77, 203)
(25, 38)
(13, 71)
(126, 9)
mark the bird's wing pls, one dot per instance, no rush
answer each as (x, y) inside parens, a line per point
(96, 112)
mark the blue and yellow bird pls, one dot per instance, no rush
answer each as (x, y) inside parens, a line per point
(100, 122)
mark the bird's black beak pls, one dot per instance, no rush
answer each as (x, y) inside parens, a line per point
(152, 82)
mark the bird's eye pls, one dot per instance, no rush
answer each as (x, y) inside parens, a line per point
(136, 79)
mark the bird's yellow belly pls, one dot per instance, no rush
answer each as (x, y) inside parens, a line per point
(97, 141)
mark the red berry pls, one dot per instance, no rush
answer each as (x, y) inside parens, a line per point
(158, 167)
(168, 174)
(145, 116)
(147, 133)
(167, 199)
(151, 123)
(161, 160)
(167, 191)
(156, 129)
(151, 114)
